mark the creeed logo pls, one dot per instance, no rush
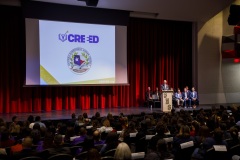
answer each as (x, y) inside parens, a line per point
(62, 37)
(79, 60)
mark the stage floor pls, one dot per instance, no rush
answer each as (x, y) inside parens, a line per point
(66, 114)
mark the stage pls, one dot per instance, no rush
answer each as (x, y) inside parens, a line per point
(66, 114)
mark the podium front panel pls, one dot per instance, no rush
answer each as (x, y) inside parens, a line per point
(166, 101)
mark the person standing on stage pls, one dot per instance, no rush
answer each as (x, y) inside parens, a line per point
(164, 86)
(148, 96)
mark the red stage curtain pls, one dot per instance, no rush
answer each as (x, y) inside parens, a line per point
(157, 50)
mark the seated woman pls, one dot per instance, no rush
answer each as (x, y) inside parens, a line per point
(130, 129)
(204, 133)
(123, 152)
(182, 137)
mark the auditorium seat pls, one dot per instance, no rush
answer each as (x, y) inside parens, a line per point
(235, 150)
(212, 154)
(31, 158)
(110, 153)
(107, 158)
(185, 151)
(61, 157)
(81, 156)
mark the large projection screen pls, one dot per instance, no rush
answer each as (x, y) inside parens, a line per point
(69, 53)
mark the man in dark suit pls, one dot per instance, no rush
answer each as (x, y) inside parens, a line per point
(165, 86)
(194, 97)
(186, 98)
(148, 97)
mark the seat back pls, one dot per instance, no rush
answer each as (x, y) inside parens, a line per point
(99, 147)
(107, 158)
(138, 155)
(235, 150)
(43, 154)
(217, 153)
(61, 157)
(110, 153)
(82, 156)
(31, 158)
(185, 151)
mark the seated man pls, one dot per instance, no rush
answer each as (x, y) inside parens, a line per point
(178, 98)
(194, 97)
(148, 97)
(186, 98)
(157, 93)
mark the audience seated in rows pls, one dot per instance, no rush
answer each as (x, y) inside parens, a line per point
(157, 135)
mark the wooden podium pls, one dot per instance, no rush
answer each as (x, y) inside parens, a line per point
(166, 100)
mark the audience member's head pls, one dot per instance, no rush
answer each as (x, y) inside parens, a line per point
(106, 123)
(96, 135)
(14, 119)
(85, 115)
(27, 143)
(123, 152)
(112, 140)
(69, 133)
(30, 119)
(58, 140)
(195, 127)
(184, 132)
(82, 131)
(37, 126)
(223, 126)
(80, 119)
(37, 118)
(160, 128)
(148, 122)
(73, 116)
(97, 115)
(62, 128)
(36, 136)
(218, 135)
(234, 133)
(93, 154)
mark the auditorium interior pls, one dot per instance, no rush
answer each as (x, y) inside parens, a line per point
(188, 43)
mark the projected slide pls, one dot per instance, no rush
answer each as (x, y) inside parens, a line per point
(76, 53)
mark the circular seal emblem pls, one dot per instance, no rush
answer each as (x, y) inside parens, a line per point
(79, 60)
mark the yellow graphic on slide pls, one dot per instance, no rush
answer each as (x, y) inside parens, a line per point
(47, 77)
(96, 81)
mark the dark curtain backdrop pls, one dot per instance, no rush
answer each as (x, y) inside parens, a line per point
(157, 50)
